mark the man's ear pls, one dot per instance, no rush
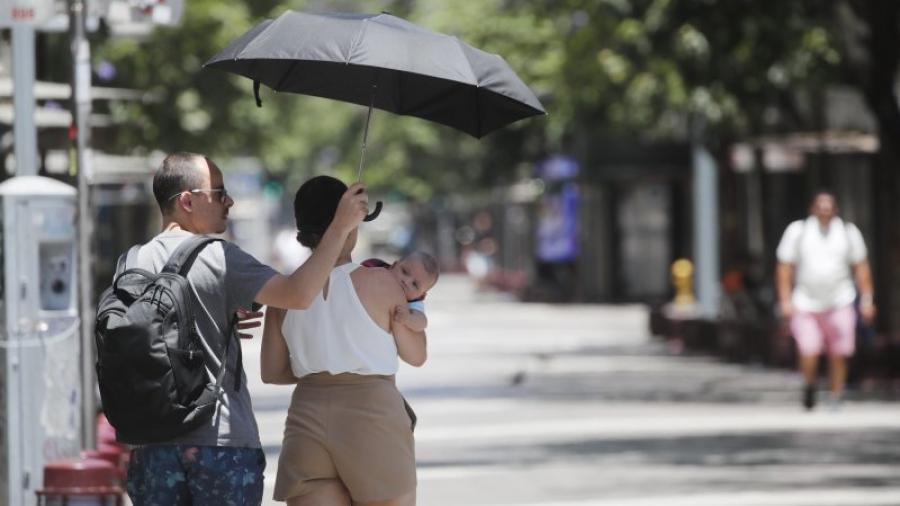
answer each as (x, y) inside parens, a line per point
(184, 200)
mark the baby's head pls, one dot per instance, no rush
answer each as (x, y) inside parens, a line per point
(416, 273)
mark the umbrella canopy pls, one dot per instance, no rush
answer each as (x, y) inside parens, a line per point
(382, 61)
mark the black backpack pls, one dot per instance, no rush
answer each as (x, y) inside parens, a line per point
(150, 361)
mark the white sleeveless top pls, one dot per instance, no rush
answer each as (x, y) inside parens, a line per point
(337, 335)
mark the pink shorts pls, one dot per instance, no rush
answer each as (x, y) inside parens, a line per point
(833, 329)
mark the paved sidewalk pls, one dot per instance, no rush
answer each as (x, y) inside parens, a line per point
(543, 405)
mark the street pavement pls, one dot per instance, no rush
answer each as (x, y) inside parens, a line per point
(576, 405)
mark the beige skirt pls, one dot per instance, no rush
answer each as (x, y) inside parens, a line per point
(351, 427)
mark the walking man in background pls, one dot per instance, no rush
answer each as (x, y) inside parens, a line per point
(818, 260)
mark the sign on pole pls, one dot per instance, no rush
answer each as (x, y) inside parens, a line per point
(25, 12)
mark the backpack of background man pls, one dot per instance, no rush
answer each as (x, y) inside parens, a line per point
(800, 239)
(150, 361)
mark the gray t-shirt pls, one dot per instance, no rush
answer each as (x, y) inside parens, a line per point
(224, 279)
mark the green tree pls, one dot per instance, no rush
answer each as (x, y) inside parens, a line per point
(213, 112)
(646, 68)
(633, 69)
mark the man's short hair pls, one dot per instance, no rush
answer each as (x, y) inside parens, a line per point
(179, 172)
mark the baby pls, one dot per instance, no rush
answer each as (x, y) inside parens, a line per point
(416, 273)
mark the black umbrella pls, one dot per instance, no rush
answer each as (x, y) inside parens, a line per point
(381, 61)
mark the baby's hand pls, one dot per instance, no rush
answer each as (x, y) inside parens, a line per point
(401, 315)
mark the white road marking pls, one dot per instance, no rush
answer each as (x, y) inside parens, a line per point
(816, 497)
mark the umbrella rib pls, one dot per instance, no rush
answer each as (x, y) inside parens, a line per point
(284, 77)
(477, 90)
(398, 93)
(359, 36)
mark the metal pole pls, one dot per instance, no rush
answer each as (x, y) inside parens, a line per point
(25, 136)
(25, 131)
(81, 113)
(706, 230)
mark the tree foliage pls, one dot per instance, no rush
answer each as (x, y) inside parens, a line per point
(650, 67)
(603, 68)
(213, 112)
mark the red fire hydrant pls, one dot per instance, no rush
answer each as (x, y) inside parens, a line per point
(80, 482)
(111, 454)
(108, 448)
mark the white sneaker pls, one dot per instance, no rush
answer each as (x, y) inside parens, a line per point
(834, 403)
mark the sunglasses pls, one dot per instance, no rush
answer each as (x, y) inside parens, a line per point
(223, 193)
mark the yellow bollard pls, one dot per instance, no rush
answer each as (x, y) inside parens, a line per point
(683, 279)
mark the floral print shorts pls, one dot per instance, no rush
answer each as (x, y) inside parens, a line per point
(189, 475)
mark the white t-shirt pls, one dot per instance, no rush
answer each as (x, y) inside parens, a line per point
(337, 335)
(823, 260)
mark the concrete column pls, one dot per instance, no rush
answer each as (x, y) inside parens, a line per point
(706, 231)
(25, 131)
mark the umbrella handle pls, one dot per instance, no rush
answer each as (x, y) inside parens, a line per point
(374, 214)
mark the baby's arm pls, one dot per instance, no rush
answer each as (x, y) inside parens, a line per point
(413, 319)
(411, 345)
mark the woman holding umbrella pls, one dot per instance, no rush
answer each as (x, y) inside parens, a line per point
(348, 437)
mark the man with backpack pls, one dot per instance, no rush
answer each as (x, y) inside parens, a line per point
(168, 324)
(818, 260)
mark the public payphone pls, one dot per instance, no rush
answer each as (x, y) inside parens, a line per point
(40, 387)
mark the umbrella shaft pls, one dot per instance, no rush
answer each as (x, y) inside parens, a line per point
(362, 156)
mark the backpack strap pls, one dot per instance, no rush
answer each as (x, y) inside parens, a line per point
(799, 247)
(846, 238)
(126, 259)
(233, 336)
(849, 241)
(180, 262)
(183, 257)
